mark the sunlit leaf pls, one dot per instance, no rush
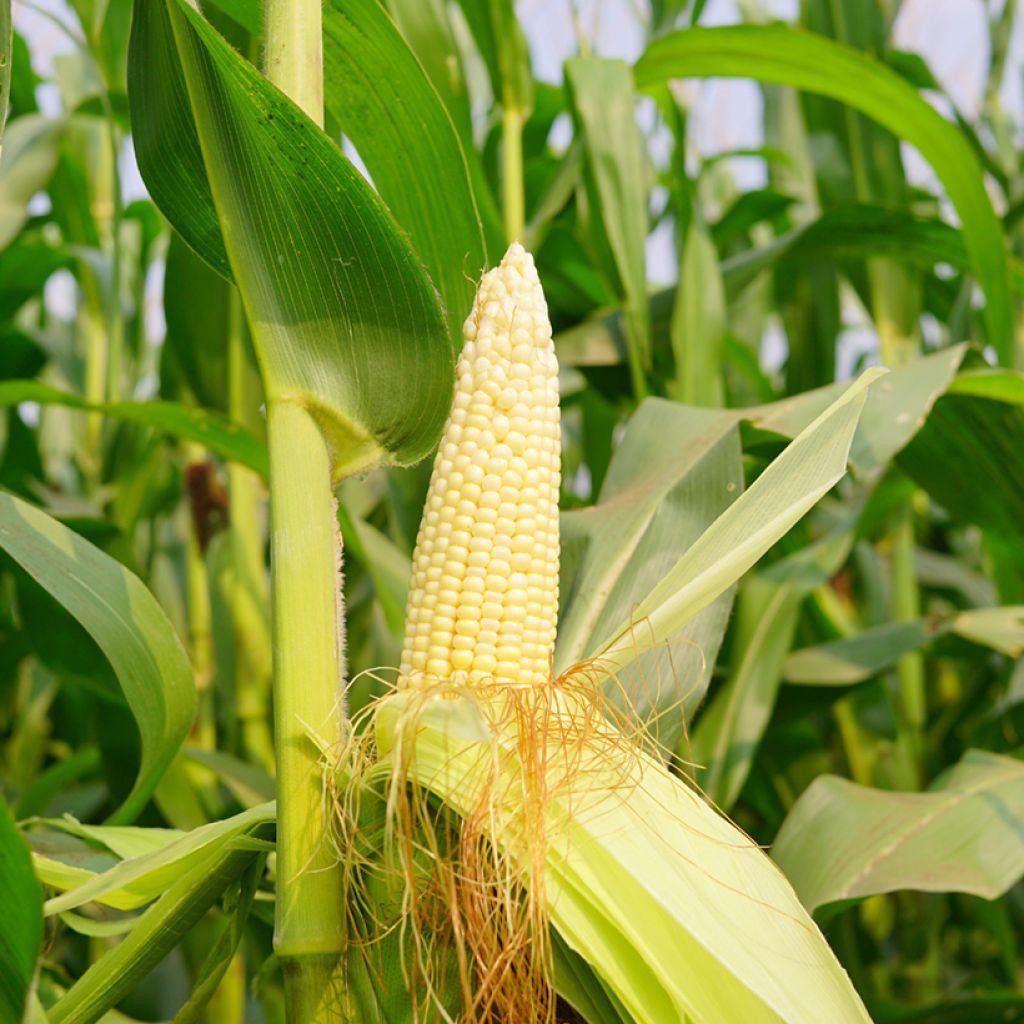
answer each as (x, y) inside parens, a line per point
(427, 27)
(384, 102)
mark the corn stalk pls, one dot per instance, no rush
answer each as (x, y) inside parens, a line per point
(309, 935)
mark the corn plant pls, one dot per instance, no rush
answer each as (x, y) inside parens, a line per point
(430, 619)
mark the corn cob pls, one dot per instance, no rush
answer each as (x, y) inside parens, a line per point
(483, 600)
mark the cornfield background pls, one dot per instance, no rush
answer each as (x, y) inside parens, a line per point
(734, 210)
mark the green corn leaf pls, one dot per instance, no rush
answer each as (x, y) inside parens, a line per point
(853, 232)
(22, 934)
(247, 13)
(982, 435)
(381, 97)
(98, 929)
(999, 385)
(999, 628)
(344, 319)
(503, 47)
(426, 25)
(131, 629)
(778, 54)
(811, 464)
(222, 951)
(181, 905)
(389, 569)
(124, 841)
(729, 730)
(25, 265)
(895, 412)
(165, 139)
(197, 308)
(847, 233)
(210, 429)
(249, 783)
(853, 659)
(151, 862)
(698, 325)
(844, 841)
(602, 93)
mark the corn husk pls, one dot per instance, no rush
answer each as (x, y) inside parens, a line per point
(679, 914)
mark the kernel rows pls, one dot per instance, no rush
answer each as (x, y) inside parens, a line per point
(484, 593)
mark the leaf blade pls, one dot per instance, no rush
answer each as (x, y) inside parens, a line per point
(124, 619)
(380, 95)
(210, 429)
(22, 934)
(338, 302)
(846, 841)
(603, 96)
(806, 470)
(778, 54)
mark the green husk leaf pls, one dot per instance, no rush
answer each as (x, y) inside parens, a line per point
(810, 465)
(657, 499)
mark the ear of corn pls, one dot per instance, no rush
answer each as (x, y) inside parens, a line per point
(564, 819)
(484, 593)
